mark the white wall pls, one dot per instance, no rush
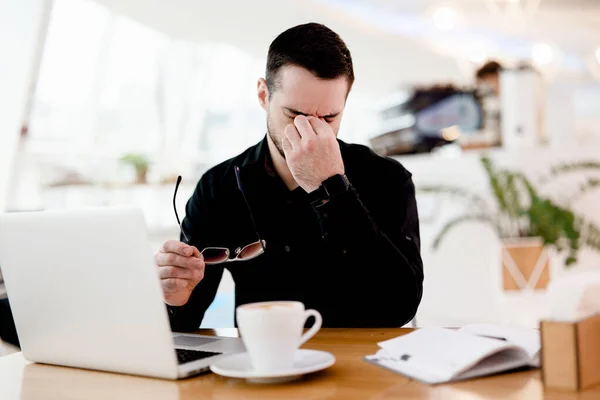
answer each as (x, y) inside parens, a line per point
(20, 24)
(382, 60)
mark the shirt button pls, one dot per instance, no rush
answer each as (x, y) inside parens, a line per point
(344, 251)
(288, 249)
(289, 202)
(325, 215)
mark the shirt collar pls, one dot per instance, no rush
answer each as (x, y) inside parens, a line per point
(260, 161)
(260, 157)
(268, 161)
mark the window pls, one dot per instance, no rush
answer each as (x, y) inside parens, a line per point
(108, 86)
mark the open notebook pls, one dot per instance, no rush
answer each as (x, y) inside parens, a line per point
(438, 355)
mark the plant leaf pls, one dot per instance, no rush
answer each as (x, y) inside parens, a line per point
(574, 167)
(495, 184)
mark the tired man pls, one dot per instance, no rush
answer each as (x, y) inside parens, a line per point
(330, 224)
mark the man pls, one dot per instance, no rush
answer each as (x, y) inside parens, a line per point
(488, 77)
(352, 254)
(488, 87)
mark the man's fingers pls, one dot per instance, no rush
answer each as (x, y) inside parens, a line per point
(197, 253)
(163, 259)
(172, 285)
(171, 272)
(286, 145)
(319, 126)
(304, 127)
(293, 136)
(174, 246)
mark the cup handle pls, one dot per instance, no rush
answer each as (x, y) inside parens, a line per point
(313, 329)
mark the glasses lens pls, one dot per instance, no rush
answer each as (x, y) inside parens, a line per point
(215, 255)
(251, 251)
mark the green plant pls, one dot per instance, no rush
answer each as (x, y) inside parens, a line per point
(566, 168)
(520, 210)
(139, 162)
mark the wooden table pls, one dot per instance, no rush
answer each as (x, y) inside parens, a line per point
(349, 378)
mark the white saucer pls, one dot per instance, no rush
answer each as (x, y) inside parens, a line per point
(305, 362)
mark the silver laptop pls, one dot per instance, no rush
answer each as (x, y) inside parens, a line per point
(85, 293)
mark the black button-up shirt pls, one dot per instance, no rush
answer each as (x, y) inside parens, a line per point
(356, 259)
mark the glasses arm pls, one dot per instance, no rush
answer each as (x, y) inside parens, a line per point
(239, 184)
(175, 208)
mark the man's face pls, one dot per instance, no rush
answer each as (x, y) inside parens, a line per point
(299, 92)
(491, 82)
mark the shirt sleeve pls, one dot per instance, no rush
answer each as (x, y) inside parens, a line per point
(197, 225)
(381, 252)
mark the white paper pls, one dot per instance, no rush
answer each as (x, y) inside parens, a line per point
(438, 355)
(528, 339)
(396, 364)
(500, 362)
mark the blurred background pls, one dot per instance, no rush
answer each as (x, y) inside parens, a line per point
(105, 102)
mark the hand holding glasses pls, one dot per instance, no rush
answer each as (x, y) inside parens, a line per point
(218, 255)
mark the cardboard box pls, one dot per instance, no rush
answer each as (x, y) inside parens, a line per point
(571, 354)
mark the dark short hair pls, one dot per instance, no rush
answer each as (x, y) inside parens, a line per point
(489, 68)
(313, 47)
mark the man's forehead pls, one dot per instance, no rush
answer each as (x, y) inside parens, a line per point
(295, 78)
(303, 92)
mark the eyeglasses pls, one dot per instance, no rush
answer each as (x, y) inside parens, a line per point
(218, 255)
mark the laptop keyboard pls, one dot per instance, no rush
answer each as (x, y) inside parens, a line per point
(186, 356)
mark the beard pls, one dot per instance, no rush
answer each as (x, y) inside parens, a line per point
(274, 138)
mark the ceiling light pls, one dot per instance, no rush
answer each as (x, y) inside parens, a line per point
(598, 55)
(542, 54)
(444, 18)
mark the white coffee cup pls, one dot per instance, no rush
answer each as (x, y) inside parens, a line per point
(272, 332)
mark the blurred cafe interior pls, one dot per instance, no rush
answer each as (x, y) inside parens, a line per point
(106, 102)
